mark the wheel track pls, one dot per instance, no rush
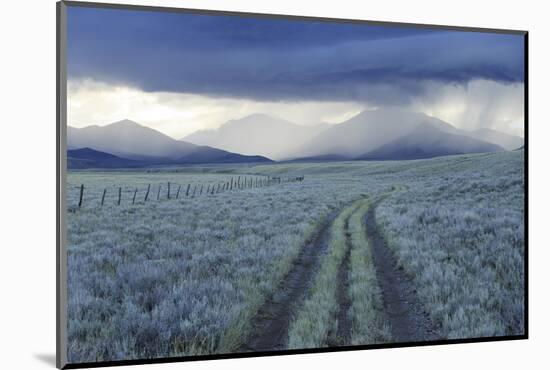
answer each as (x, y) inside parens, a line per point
(402, 308)
(270, 324)
(343, 333)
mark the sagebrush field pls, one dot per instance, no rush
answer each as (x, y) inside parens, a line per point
(293, 264)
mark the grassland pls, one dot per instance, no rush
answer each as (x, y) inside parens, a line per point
(460, 236)
(175, 277)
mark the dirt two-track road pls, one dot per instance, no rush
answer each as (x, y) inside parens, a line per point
(401, 306)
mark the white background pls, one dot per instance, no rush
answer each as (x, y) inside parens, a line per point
(27, 193)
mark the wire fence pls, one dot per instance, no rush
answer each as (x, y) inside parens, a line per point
(171, 190)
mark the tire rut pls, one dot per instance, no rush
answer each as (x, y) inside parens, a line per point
(343, 332)
(409, 321)
(270, 324)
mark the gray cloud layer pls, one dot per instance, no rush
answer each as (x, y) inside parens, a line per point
(274, 60)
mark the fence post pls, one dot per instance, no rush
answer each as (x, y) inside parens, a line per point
(103, 196)
(119, 195)
(81, 194)
(158, 193)
(168, 193)
(134, 198)
(239, 182)
(218, 189)
(178, 192)
(201, 189)
(213, 188)
(147, 193)
(208, 190)
(194, 189)
(187, 192)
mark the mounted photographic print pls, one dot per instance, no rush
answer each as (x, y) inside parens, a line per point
(235, 184)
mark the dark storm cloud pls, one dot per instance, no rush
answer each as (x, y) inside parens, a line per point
(274, 59)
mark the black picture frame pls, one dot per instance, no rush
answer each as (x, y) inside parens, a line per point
(61, 165)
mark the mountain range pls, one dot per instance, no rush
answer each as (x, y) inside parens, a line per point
(427, 141)
(389, 133)
(382, 134)
(258, 134)
(400, 134)
(128, 144)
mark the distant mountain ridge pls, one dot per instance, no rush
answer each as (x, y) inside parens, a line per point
(130, 144)
(393, 133)
(128, 139)
(427, 141)
(508, 142)
(382, 134)
(260, 134)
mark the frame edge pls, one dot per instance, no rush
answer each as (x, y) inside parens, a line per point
(61, 118)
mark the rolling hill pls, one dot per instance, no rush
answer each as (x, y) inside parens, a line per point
(90, 158)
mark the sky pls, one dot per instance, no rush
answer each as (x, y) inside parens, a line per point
(179, 73)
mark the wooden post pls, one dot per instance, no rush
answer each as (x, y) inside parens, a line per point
(239, 183)
(103, 196)
(194, 189)
(81, 194)
(158, 193)
(201, 189)
(178, 192)
(119, 195)
(187, 191)
(218, 189)
(231, 186)
(208, 190)
(134, 198)
(168, 193)
(213, 188)
(147, 193)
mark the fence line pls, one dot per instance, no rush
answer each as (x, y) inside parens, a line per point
(216, 188)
